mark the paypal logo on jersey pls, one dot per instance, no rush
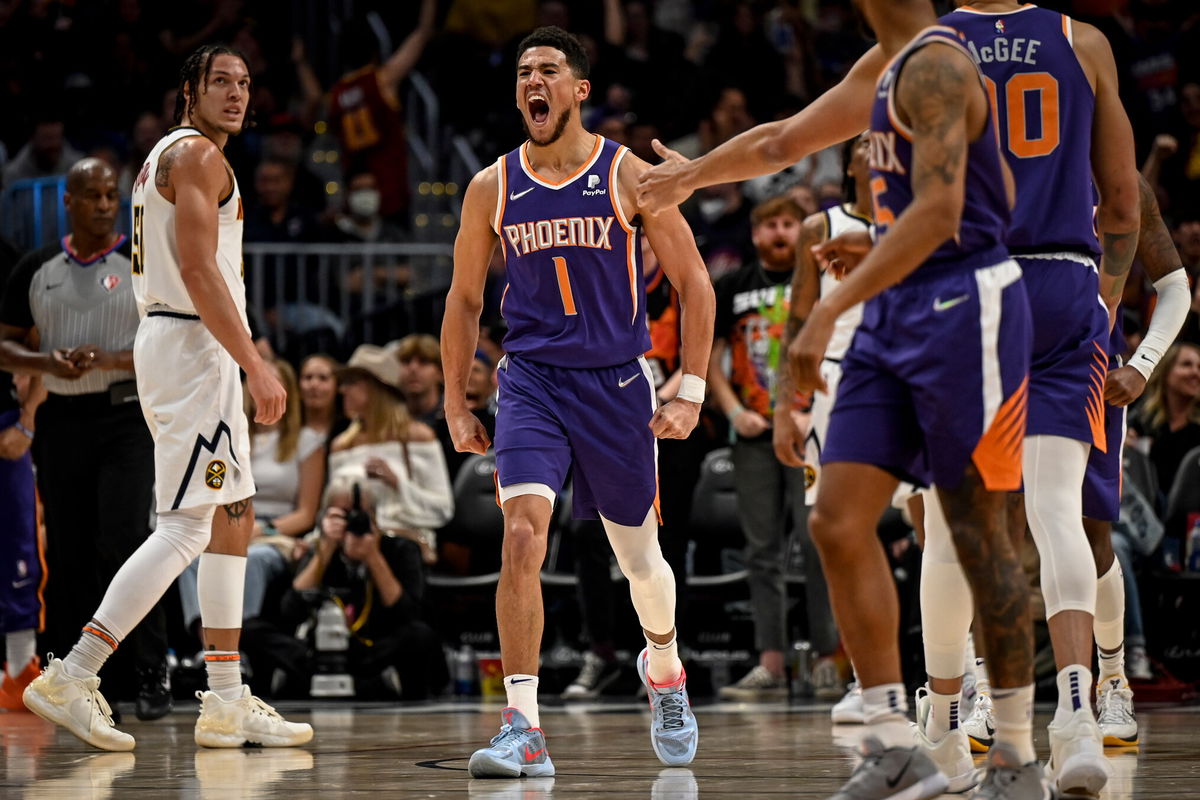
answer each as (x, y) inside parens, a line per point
(591, 191)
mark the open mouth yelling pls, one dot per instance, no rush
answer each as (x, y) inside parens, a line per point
(539, 108)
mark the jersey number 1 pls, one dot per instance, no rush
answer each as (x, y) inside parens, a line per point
(564, 286)
(135, 248)
(1016, 91)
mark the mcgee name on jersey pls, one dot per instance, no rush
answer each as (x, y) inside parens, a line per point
(529, 237)
(1002, 49)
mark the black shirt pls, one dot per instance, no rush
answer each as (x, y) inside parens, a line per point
(752, 308)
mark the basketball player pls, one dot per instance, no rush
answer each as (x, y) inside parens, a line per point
(1075, 134)
(575, 392)
(193, 337)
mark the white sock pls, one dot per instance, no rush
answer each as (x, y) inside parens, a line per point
(885, 710)
(88, 655)
(1109, 624)
(663, 665)
(1013, 711)
(224, 668)
(943, 714)
(522, 695)
(1074, 692)
(982, 682)
(19, 647)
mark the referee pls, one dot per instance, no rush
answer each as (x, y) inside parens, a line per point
(93, 452)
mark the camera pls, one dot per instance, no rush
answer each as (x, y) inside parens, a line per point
(358, 522)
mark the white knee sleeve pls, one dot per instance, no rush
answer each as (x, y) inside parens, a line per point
(153, 567)
(651, 582)
(220, 586)
(947, 605)
(1109, 625)
(1054, 468)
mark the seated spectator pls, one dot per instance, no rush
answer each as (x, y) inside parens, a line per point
(319, 406)
(46, 153)
(288, 464)
(420, 359)
(1170, 415)
(275, 216)
(398, 457)
(379, 582)
(362, 220)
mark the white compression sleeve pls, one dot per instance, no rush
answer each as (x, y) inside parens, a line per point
(947, 605)
(220, 587)
(1174, 302)
(1054, 468)
(651, 582)
(153, 567)
(1109, 625)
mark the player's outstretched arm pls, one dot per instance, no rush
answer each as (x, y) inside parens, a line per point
(1114, 165)
(672, 240)
(195, 171)
(473, 248)
(932, 92)
(1156, 250)
(842, 112)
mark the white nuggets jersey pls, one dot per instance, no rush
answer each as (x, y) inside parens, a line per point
(155, 252)
(838, 220)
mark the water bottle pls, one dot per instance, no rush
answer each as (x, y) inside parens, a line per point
(332, 641)
(464, 671)
(1193, 548)
(801, 662)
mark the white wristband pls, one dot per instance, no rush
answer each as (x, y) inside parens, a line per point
(691, 388)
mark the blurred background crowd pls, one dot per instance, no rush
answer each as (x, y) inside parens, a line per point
(368, 120)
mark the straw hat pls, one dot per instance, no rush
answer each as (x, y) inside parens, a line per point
(376, 363)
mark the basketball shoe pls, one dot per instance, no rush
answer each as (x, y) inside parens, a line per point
(980, 726)
(892, 772)
(1114, 712)
(245, 721)
(594, 677)
(673, 730)
(77, 705)
(951, 753)
(849, 710)
(11, 688)
(1077, 763)
(1008, 779)
(517, 750)
(757, 685)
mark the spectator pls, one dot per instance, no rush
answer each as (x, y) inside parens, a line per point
(399, 457)
(47, 153)
(1170, 415)
(752, 305)
(147, 130)
(94, 455)
(727, 118)
(379, 582)
(420, 359)
(364, 110)
(288, 464)
(362, 220)
(319, 406)
(275, 216)
(720, 220)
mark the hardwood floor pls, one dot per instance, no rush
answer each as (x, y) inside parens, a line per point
(600, 751)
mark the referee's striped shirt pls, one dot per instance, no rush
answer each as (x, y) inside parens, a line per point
(73, 302)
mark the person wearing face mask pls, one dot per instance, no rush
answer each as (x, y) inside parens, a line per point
(361, 221)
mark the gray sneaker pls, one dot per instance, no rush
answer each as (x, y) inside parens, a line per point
(518, 750)
(892, 773)
(1008, 779)
(674, 734)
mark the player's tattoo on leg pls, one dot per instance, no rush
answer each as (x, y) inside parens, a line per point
(235, 511)
(977, 521)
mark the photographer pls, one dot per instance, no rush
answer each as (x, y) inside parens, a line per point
(378, 582)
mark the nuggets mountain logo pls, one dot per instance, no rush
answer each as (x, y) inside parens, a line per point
(214, 474)
(810, 476)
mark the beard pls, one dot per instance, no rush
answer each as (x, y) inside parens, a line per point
(555, 134)
(774, 258)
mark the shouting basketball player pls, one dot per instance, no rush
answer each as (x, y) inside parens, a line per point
(187, 279)
(575, 392)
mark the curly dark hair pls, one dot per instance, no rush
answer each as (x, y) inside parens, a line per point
(194, 74)
(556, 37)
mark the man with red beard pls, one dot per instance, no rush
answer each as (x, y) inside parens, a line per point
(752, 308)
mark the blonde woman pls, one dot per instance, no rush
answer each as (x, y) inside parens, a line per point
(384, 445)
(319, 406)
(1170, 414)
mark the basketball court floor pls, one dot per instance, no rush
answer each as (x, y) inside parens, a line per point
(600, 751)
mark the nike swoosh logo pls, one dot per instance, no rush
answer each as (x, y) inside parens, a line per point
(891, 782)
(55, 286)
(627, 381)
(991, 731)
(944, 305)
(520, 680)
(519, 195)
(530, 755)
(22, 584)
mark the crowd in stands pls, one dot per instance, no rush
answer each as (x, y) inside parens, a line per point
(363, 437)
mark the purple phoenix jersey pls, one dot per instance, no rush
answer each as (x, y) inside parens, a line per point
(985, 216)
(574, 264)
(1043, 106)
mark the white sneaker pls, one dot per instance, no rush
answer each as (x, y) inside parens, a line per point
(827, 679)
(849, 710)
(980, 726)
(757, 685)
(77, 705)
(951, 753)
(1077, 764)
(1137, 664)
(247, 720)
(1114, 712)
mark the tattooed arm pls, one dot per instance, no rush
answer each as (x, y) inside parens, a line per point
(936, 92)
(1114, 165)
